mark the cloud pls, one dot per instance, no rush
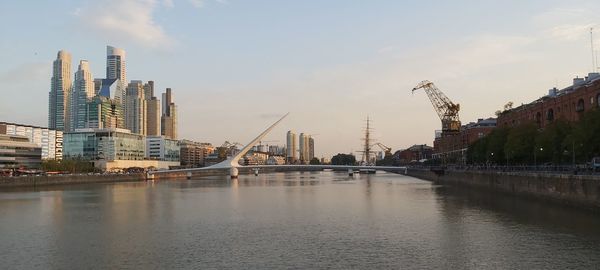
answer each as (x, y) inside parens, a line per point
(200, 3)
(126, 21)
(168, 3)
(197, 3)
(569, 31)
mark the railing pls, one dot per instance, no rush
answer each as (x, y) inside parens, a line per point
(580, 169)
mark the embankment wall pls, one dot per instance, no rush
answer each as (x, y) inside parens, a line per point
(577, 190)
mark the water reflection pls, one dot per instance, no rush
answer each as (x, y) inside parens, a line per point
(290, 220)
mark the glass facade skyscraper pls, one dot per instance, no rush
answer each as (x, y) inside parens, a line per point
(60, 89)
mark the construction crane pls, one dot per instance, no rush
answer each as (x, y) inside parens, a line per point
(387, 150)
(445, 108)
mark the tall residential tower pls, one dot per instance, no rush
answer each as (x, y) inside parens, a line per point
(135, 108)
(169, 116)
(83, 92)
(60, 90)
(115, 69)
(152, 110)
(291, 147)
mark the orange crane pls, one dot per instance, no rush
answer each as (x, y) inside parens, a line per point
(445, 108)
(387, 150)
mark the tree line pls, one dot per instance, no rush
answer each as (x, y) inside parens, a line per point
(560, 142)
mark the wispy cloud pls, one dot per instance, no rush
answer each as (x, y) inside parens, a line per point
(126, 21)
(200, 3)
(569, 31)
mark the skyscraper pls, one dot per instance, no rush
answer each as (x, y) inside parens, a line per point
(83, 92)
(115, 63)
(135, 108)
(291, 147)
(104, 111)
(303, 147)
(152, 110)
(169, 117)
(60, 90)
(115, 69)
(311, 148)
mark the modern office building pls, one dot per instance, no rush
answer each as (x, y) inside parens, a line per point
(135, 108)
(161, 148)
(169, 116)
(18, 152)
(115, 70)
(149, 90)
(60, 88)
(103, 112)
(291, 144)
(50, 141)
(108, 144)
(82, 94)
(152, 110)
(111, 148)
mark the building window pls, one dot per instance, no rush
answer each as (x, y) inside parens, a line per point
(580, 105)
(598, 100)
(550, 115)
(538, 118)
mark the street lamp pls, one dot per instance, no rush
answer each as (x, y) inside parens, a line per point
(535, 157)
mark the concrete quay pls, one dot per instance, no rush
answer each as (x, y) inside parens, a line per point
(576, 190)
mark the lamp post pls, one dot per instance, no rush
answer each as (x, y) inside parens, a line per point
(535, 156)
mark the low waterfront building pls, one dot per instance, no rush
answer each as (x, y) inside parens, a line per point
(161, 148)
(276, 160)
(18, 152)
(49, 140)
(192, 154)
(110, 148)
(415, 153)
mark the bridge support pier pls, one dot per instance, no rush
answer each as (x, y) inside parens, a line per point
(233, 172)
(350, 172)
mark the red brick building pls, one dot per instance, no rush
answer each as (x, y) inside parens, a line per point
(568, 104)
(452, 148)
(414, 153)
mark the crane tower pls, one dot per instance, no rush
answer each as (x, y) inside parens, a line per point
(445, 108)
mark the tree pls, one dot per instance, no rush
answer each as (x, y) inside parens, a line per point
(314, 161)
(343, 159)
(551, 141)
(520, 143)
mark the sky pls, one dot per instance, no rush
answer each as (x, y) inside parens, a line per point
(236, 66)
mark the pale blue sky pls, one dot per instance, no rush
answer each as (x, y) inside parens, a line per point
(235, 65)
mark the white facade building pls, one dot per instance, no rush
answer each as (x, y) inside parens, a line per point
(161, 148)
(51, 141)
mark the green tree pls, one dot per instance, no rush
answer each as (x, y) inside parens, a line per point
(343, 159)
(551, 139)
(520, 144)
(314, 161)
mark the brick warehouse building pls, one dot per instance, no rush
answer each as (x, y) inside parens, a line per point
(569, 104)
(452, 148)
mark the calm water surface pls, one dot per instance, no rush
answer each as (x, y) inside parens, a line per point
(290, 220)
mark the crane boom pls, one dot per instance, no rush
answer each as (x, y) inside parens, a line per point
(445, 108)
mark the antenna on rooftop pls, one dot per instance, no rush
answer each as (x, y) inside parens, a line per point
(594, 66)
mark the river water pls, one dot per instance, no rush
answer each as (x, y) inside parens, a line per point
(290, 220)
